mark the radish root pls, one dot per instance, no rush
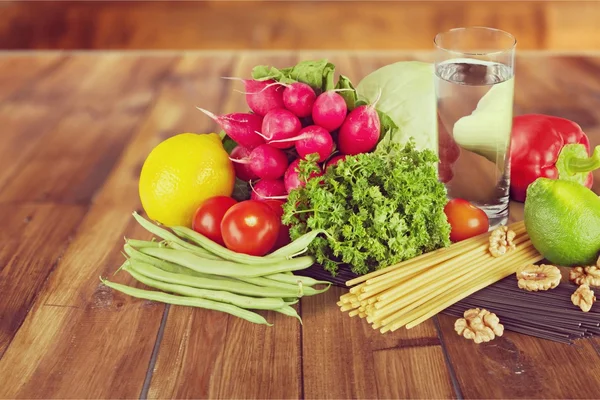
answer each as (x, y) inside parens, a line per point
(262, 136)
(266, 197)
(211, 115)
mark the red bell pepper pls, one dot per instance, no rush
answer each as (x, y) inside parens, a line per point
(549, 147)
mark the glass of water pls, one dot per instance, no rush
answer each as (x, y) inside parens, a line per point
(474, 83)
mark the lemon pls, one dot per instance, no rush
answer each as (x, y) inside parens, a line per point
(180, 173)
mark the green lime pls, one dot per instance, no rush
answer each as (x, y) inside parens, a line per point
(563, 221)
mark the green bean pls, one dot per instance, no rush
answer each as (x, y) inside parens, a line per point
(166, 265)
(294, 279)
(165, 234)
(300, 289)
(226, 268)
(264, 282)
(262, 303)
(187, 301)
(289, 311)
(297, 246)
(202, 253)
(221, 251)
(206, 282)
(142, 243)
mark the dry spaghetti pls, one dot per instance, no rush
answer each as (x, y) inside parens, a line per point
(408, 293)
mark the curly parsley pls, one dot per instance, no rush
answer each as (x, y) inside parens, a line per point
(377, 209)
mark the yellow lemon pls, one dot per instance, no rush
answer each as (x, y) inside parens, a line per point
(180, 173)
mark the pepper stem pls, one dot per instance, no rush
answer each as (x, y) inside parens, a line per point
(575, 164)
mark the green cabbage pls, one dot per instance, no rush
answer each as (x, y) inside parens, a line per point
(408, 98)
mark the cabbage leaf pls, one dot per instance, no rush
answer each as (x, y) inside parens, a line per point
(408, 98)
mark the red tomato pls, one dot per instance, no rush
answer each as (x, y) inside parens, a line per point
(284, 230)
(465, 220)
(250, 227)
(207, 218)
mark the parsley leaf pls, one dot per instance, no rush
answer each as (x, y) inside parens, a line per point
(377, 208)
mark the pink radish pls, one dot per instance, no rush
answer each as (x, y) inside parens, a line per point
(267, 189)
(310, 140)
(335, 160)
(241, 127)
(292, 180)
(265, 161)
(314, 139)
(329, 110)
(242, 170)
(299, 98)
(360, 131)
(280, 124)
(263, 96)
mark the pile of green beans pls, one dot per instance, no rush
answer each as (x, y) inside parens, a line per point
(186, 268)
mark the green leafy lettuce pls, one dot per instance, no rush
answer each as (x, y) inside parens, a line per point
(319, 74)
(377, 208)
(407, 98)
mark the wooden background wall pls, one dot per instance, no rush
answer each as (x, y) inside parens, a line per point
(554, 25)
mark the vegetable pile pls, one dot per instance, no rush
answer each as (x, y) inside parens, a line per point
(313, 143)
(192, 270)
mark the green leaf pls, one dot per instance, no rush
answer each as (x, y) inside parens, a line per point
(319, 74)
(228, 143)
(388, 127)
(349, 95)
(261, 72)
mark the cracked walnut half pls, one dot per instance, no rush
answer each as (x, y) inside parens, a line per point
(538, 277)
(479, 325)
(585, 275)
(501, 241)
(583, 297)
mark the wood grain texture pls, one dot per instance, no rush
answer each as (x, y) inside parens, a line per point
(218, 24)
(519, 366)
(75, 131)
(80, 339)
(421, 370)
(33, 239)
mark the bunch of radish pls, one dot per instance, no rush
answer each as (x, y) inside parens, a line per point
(286, 123)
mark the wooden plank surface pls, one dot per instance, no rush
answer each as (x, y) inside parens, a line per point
(66, 204)
(80, 339)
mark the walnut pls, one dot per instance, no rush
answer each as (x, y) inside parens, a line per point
(479, 325)
(583, 297)
(501, 241)
(538, 277)
(585, 275)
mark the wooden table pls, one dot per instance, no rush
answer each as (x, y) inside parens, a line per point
(75, 129)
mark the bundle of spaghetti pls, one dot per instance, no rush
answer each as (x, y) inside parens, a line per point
(410, 292)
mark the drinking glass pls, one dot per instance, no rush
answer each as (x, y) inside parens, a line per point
(474, 83)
